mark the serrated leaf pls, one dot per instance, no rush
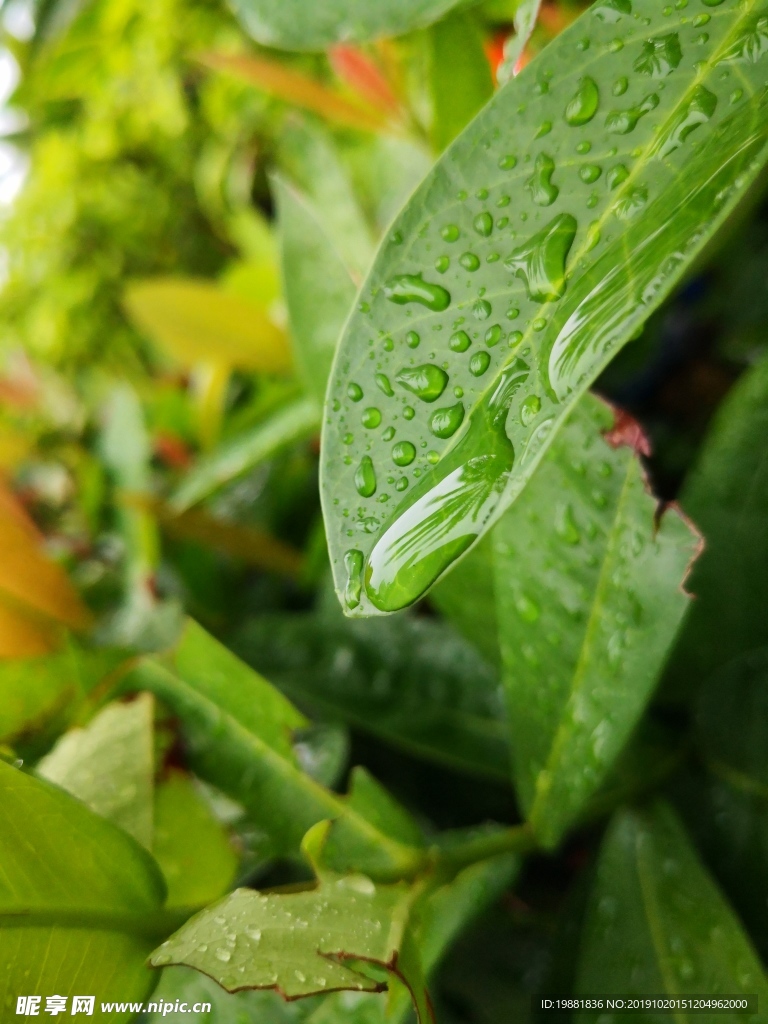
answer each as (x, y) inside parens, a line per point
(304, 943)
(657, 923)
(197, 322)
(318, 303)
(77, 899)
(460, 76)
(237, 729)
(589, 596)
(411, 681)
(109, 765)
(292, 25)
(195, 989)
(727, 496)
(492, 354)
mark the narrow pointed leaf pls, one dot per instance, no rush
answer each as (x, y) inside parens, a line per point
(589, 592)
(109, 765)
(658, 924)
(567, 211)
(460, 76)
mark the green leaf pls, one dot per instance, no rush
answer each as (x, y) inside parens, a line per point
(77, 899)
(191, 987)
(475, 369)
(237, 730)
(318, 303)
(525, 17)
(192, 848)
(239, 454)
(589, 591)
(475, 619)
(657, 923)
(304, 943)
(109, 765)
(460, 76)
(727, 497)
(411, 681)
(292, 25)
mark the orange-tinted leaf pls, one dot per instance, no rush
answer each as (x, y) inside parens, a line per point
(24, 634)
(362, 75)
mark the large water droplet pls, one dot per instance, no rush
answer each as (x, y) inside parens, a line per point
(427, 381)
(469, 261)
(383, 384)
(371, 417)
(660, 56)
(353, 563)
(543, 192)
(631, 202)
(445, 422)
(589, 173)
(493, 335)
(449, 233)
(479, 363)
(529, 408)
(407, 288)
(483, 224)
(354, 392)
(460, 341)
(697, 111)
(583, 106)
(622, 122)
(616, 176)
(448, 508)
(403, 453)
(541, 260)
(481, 309)
(610, 11)
(365, 477)
(565, 525)
(750, 44)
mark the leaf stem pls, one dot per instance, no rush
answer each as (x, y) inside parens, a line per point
(517, 839)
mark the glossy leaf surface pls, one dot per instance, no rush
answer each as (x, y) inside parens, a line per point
(293, 25)
(657, 923)
(77, 897)
(567, 211)
(589, 591)
(475, 619)
(109, 765)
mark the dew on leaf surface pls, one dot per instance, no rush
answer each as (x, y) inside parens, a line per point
(583, 105)
(405, 288)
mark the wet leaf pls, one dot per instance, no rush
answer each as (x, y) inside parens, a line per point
(294, 26)
(237, 731)
(475, 619)
(460, 76)
(109, 765)
(551, 268)
(77, 898)
(589, 596)
(657, 922)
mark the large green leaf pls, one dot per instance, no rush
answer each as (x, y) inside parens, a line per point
(542, 239)
(589, 592)
(296, 25)
(237, 729)
(77, 899)
(658, 925)
(460, 76)
(411, 681)
(475, 619)
(727, 496)
(109, 766)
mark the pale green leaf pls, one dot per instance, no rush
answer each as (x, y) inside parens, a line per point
(568, 210)
(460, 76)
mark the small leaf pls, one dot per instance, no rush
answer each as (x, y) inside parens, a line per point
(526, 313)
(303, 943)
(460, 76)
(77, 898)
(657, 922)
(198, 322)
(292, 25)
(192, 848)
(589, 591)
(526, 13)
(109, 765)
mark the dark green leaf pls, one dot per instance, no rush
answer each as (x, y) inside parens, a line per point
(589, 598)
(460, 76)
(657, 923)
(411, 681)
(77, 899)
(530, 310)
(292, 25)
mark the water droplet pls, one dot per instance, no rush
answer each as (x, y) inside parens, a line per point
(701, 20)
(512, 313)
(479, 363)
(459, 341)
(702, 38)
(300, 977)
(514, 338)
(407, 288)
(458, 391)
(401, 484)
(541, 260)
(543, 192)
(383, 384)
(589, 173)
(449, 233)
(736, 95)
(445, 422)
(593, 236)
(751, 43)
(408, 412)
(539, 323)
(493, 335)
(481, 309)
(427, 381)
(506, 163)
(353, 563)
(224, 955)
(616, 45)
(583, 45)
(620, 86)
(697, 111)
(253, 933)
(616, 176)
(529, 408)
(711, 3)
(162, 959)
(622, 122)
(389, 433)
(371, 417)
(483, 224)
(403, 454)
(565, 525)
(469, 261)
(660, 56)
(412, 339)
(583, 106)
(482, 193)
(347, 439)
(610, 11)
(527, 609)
(365, 477)
(442, 263)
(584, 146)
(544, 129)
(631, 202)
(354, 392)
